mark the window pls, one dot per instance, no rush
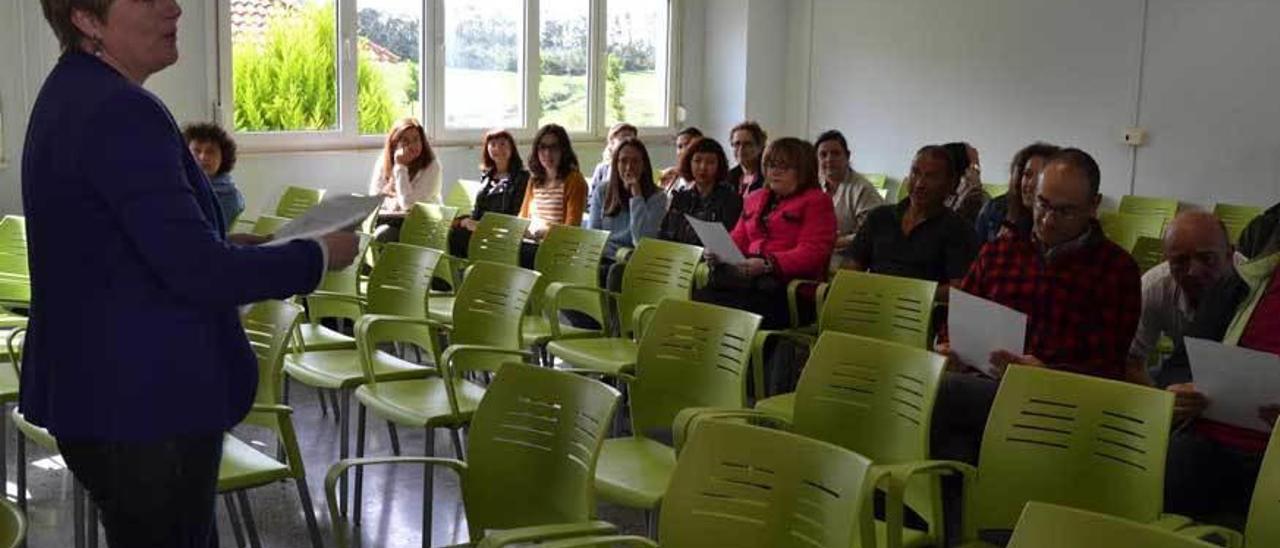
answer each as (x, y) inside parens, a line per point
(305, 73)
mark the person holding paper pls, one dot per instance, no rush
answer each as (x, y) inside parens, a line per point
(709, 198)
(1213, 466)
(135, 358)
(787, 231)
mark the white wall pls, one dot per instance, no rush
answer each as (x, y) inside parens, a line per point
(724, 77)
(896, 74)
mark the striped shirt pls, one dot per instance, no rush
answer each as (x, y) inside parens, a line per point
(548, 202)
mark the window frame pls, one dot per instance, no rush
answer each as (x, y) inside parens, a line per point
(432, 77)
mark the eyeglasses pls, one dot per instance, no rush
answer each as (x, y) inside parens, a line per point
(780, 166)
(1068, 211)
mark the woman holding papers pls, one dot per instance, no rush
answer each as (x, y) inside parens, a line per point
(787, 232)
(709, 198)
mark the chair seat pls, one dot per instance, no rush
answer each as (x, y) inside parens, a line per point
(536, 331)
(440, 308)
(317, 338)
(34, 433)
(634, 472)
(8, 384)
(421, 403)
(340, 369)
(911, 538)
(782, 405)
(605, 354)
(243, 466)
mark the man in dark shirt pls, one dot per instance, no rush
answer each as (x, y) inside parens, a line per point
(920, 238)
(1259, 232)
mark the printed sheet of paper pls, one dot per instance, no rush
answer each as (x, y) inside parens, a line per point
(1237, 381)
(716, 240)
(978, 327)
(331, 215)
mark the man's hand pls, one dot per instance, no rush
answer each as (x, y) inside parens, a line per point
(248, 239)
(1002, 359)
(1187, 403)
(342, 247)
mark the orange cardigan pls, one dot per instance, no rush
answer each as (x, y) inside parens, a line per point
(575, 198)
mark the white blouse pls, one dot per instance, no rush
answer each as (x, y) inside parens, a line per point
(402, 191)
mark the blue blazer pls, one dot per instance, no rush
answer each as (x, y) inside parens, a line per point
(134, 332)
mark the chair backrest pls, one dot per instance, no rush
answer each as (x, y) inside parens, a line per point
(1051, 526)
(497, 239)
(13, 525)
(570, 255)
(489, 310)
(877, 180)
(745, 486)
(532, 449)
(1148, 252)
(427, 225)
(691, 355)
(883, 307)
(400, 282)
(269, 325)
(297, 200)
(656, 270)
(13, 246)
(995, 190)
(347, 280)
(1236, 218)
(1125, 228)
(268, 224)
(1164, 208)
(463, 195)
(1071, 439)
(1263, 528)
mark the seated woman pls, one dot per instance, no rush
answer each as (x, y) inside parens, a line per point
(709, 198)
(407, 172)
(627, 205)
(969, 196)
(504, 180)
(556, 192)
(1024, 171)
(619, 132)
(216, 153)
(671, 180)
(787, 232)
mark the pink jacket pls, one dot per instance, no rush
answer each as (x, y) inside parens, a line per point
(801, 233)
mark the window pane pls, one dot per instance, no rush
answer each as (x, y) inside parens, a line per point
(562, 90)
(482, 59)
(636, 73)
(388, 73)
(284, 65)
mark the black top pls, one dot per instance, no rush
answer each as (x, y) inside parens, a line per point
(1213, 318)
(723, 205)
(1258, 234)
(735, 181)
(938, 249)
(501, 196)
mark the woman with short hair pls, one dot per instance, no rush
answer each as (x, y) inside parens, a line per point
(215, 151)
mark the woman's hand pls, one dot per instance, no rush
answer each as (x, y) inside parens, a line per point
(752, 268)
(1187, 402)
(402, 157)
(1002, 359)
(469, 224)
(712, 259)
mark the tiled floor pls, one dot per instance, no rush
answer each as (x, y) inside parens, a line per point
(392, 501)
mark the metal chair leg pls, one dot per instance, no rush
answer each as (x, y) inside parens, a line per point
(344, 448)
(333, 397)
(427, 489)
(361, 422)
(77, 505)
(456, 435)
(395, 438)
(246, 511)
(232, 512)
(310, 514)
(22, 472)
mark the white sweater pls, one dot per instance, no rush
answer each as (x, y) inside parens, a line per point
(402, 191)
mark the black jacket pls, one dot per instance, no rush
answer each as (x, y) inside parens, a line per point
(1258, 234)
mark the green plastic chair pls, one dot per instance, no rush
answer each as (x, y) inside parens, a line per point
(398, 286)
(427, 225)
(13, 247)
(748, 487)
(1236, 218)
(888, 308)
(1147, 206)
(1052, 526)
(297, 200)
(496, 240)
(568, 255)
(13, 525)
(691, 355)
(995, 190)
(267, 225)
(878, 180)
(316, 337)
(1063, 438)
(872, 397)
(1263, 526)
(1148, 252)
(1125, 228)
(269, 326)
(462, 195)
(531, 419)
(657, 270)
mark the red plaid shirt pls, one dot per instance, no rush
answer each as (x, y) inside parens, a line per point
(1082, 305)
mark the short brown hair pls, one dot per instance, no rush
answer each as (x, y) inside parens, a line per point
(795, 153)
(210, 133)
(58, 14)
(487, 163)
(704, 145)
(757, 133)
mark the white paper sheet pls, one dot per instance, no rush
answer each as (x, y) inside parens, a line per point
(1237, 381)
(331, 215)
(716, 240)
(978, 327)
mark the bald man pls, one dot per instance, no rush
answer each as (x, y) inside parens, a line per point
(1197, 253)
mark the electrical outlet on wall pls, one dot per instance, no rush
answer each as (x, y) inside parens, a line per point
(1134, 136)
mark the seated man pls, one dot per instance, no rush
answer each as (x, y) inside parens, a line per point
(1259, 232)
(1080, 291)
(920, 237)
(1198, 253)
(1212, 466)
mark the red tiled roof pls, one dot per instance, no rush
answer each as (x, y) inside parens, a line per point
(249, 20)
